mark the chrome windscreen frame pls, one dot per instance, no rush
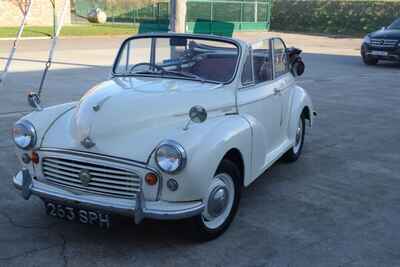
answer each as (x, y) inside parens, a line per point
(184, 35)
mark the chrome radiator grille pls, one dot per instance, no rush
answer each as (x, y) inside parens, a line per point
(383, 43)
(98, 179)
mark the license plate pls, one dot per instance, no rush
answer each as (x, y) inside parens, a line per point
(77, 214)
(379, 53)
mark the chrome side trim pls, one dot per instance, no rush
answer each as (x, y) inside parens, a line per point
(222, 109)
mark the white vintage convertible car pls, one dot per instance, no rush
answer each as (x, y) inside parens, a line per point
(184, 123)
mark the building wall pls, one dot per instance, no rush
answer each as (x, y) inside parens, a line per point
(41, 12)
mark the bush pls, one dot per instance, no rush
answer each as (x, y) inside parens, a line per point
(333, 17)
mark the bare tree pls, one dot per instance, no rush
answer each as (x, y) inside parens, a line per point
(21, 4)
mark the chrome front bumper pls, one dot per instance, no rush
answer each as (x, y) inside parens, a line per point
(137, 208)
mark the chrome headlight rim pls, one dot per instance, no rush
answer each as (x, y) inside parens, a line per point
(178, 149)
(30, 129)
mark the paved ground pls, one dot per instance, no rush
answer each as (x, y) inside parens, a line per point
(337, 206)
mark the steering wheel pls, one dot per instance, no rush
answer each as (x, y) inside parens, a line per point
(157, 67)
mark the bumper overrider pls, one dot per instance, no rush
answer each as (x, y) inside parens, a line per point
(137, 208)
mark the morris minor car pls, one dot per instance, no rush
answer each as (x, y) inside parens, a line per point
(184, 123)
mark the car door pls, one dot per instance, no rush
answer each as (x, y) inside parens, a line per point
(283, 84)
(259, 102)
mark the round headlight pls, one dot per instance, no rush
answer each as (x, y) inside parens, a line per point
(24, 135)
(170, 156)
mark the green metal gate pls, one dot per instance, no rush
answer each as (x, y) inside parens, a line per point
(215, 15)
(206, 16)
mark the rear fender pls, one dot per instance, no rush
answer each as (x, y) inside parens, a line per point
(300, 102)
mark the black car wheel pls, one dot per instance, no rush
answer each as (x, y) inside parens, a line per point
(368, 60)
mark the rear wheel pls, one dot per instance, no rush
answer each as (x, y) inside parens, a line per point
(294, 153)
(367, 59)
(221, 204)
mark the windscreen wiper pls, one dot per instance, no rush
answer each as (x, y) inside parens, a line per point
(146, 72)
(171, 72)
(185, 74)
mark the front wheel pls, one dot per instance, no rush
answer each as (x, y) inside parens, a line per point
(294, 153)
(221, 204)
(368, 60)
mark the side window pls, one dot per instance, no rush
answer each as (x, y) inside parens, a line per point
(262, 63)
(247, 74)
(281, 65)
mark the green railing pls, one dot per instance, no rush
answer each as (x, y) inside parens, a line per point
(213, 16)
(202, 15)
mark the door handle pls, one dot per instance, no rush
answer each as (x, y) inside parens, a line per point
(276, 91)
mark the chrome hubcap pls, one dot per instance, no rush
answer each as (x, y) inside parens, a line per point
(299, 137)
(219, 202)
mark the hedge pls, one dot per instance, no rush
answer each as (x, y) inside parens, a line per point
(333, 17)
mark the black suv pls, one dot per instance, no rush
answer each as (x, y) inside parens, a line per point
(382, 45)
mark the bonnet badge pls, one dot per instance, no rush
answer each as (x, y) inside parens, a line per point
(88, 143)
(85, 177)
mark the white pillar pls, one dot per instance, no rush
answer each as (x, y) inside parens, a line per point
(256, 11)
(178, 16)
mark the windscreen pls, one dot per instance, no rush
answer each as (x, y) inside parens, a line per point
(395, 25)
(199, 59)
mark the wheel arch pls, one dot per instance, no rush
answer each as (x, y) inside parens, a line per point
(307, 113)
(236, 157)
(236, 145)
(223, 137)
(301, 104)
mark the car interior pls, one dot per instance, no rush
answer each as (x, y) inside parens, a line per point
(217, 64)
(262, 65)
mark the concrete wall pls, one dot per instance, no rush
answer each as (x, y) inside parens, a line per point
(41, 12)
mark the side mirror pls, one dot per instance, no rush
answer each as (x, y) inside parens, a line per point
(383, 28)
(298, 68)
(198, 114)
(34, 101)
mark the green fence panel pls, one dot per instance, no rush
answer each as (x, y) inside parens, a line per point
(211, 15)
(243, 15)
